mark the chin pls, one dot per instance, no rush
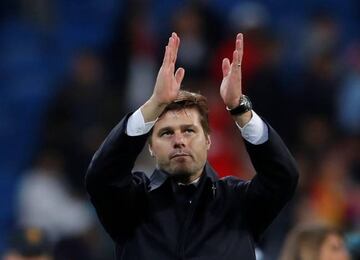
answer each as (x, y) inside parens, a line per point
(181, 176)
(180, 171)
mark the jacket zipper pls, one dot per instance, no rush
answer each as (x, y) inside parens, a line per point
(183, 233)
(185, 229)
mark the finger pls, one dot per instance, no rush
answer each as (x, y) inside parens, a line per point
(177, 44)
(225, 67)
(179, 75)
(175, 39)
(239, 36)
(171, 49)
(171, 68)
(239, 46)
(172, 46)
(165, 55)
(235, 64)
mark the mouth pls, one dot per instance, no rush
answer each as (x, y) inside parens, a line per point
(179, 155)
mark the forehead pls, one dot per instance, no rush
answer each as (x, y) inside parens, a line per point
(174, 118)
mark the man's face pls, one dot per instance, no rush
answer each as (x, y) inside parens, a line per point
(179, 144)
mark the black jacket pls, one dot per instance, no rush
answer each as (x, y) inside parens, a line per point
(221, 220)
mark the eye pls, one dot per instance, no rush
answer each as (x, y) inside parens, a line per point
(165, 133)
(189, 130)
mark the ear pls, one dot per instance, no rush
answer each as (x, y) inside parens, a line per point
(151, 151)
(208, 142)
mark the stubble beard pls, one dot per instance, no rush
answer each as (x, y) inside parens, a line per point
(181, 172)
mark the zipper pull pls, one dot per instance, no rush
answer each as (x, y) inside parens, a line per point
(213, 190)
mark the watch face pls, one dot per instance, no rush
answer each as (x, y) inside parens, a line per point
(244, 106)
(244, 101)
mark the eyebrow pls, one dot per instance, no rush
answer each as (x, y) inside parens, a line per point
(169, 128)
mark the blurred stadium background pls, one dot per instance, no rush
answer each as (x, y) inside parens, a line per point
(69, 70)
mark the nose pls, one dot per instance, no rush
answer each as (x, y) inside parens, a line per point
(178, 140)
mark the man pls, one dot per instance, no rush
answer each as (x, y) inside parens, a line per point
(184, 211)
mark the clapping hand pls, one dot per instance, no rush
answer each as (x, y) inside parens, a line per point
(167, 82)
(230, 89)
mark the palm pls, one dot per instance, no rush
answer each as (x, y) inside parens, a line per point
(168, 81)
(167, 86)
(230, 89)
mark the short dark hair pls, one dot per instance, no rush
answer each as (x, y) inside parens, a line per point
(187, 99)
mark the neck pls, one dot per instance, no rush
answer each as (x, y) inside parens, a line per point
(186, 178)
(194, 182)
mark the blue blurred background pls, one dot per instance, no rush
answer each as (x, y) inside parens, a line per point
(69, 70)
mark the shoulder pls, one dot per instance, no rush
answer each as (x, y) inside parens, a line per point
(233, 182)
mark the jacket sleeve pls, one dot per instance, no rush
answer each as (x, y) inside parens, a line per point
(114, 191)
(273, 185)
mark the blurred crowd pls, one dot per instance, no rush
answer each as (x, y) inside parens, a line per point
(303, 77)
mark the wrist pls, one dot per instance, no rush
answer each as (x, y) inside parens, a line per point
(233, 104)
(154, 101)
(152, 109)
(242, 106)
(243, 119)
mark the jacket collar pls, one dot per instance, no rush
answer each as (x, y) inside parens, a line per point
(159, 177)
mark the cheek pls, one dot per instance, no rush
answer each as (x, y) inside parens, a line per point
(159, 149)
(201, 147)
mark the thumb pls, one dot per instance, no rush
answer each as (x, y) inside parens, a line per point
(225, 67)
(179, 75)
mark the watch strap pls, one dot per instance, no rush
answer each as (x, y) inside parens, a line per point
(243, 107)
